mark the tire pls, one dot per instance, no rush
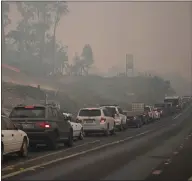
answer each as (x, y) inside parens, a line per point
(86, 134)
(138, 125)
(106, 132)
(53, 142)
(32, 146)
(112, 132)
(81, 135)
(121, 127)
(24, 149)
(69, 142)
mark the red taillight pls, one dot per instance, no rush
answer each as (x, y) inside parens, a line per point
(43, 125)
(29, 107)
(102, 120)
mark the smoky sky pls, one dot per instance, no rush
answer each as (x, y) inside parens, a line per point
(158, 34)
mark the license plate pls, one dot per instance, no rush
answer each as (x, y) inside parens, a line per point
(89, 121)
(27, 126)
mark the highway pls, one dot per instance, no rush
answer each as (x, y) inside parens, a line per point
(134, 154)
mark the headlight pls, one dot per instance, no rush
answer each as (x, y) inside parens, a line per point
(134, 118)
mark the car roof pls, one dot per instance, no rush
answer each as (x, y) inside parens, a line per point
(109, 106)
(91, 108)
(35, 105)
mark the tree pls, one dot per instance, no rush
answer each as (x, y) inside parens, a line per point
(86, 58)
(5, 22)
(87, 55)
(58, 10)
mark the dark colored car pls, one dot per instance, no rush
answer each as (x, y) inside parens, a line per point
(44, 124)
(134, 120)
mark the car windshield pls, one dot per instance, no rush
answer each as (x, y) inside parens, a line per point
(22, 112)
(90, 112)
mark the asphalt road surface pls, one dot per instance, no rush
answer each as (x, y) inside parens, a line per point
(134, 154)
(178, 166)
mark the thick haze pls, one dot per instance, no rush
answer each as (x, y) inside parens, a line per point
(157, 33)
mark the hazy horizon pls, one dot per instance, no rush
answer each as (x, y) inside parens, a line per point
(158, 34)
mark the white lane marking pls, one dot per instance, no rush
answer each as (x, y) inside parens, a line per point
(177, 116)
(190, 179)
(156, 172)
(54, 153)
(71, 156)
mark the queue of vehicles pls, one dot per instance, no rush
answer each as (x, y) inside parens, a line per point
(30, 125)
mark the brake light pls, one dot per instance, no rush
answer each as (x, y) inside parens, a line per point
(29, 107)
(43, 125)
(102, 120)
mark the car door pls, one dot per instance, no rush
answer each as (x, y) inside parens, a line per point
(108, 118)
(18, 137)
(9, 136)
(63, 123)
(6, 137)
(123, 117)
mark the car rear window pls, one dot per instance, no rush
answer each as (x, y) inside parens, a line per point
(90, 112)
(159, 105)
(147, 109)
(28, 112)
(112, 110)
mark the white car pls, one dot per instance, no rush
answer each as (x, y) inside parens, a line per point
(13, 140)
(117, 113)
(77, 127)
(157, 115)
(96, 120)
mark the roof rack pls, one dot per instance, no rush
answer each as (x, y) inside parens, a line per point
(109, 105)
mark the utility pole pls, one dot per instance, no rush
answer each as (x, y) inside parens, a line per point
(191, 41)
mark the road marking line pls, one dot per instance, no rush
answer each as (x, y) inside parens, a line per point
(54, 153)
(190, 179)
(157, 172)
(177, 116)
(71, 156)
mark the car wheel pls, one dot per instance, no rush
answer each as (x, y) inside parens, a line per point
(112, 132)
(53, 142)
(32, 146)
(24, 149)
(121, 127)
(81, 135)
(86, 134)
(106, 132)
(69, 142)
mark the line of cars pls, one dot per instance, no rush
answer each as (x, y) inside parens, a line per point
(30, 125)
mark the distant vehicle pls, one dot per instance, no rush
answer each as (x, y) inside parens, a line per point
(117, 113)
(160, 107)
(44, 124)
(176, 102)
(13, 140)
(157, 114)
(139, 108)
(96, 120)
(149, 111)
(134, 119)
(77, 127)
